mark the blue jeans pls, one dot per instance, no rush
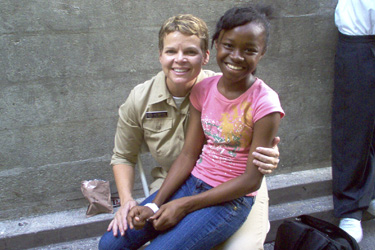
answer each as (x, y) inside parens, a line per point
(201, 229)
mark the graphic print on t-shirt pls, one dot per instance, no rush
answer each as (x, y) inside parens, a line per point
(228, 132)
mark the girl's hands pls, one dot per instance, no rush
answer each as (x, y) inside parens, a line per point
(169, 214)
(138, 216)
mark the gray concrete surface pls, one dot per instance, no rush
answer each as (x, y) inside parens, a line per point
(66, 66)
(291, 195)
(72, 230)
(367, 243)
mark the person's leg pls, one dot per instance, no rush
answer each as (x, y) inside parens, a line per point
(352, 129)
(253, 232)
(133, 239)
(371, 208)
(353, 116)
(204, 228)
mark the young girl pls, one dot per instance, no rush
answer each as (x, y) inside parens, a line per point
(211, 186)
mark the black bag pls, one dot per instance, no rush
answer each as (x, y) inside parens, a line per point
(309, 233)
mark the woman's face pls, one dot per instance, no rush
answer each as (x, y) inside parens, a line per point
(239, 51)
(182, 59)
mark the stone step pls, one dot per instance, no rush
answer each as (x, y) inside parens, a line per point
(297, 193)
(303, 192)
(299, 185)
(320, 207)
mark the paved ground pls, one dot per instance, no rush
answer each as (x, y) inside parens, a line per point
(303, 192)
(368, 242)
(92, 244)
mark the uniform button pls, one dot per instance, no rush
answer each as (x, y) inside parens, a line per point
(235, 208)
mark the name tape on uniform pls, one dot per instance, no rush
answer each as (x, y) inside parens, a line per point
(156, 114)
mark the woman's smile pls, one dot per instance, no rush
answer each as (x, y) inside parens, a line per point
(181, 59)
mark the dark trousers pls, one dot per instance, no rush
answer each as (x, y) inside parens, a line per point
(353, 126)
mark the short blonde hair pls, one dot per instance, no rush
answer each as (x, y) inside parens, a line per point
(186, 24)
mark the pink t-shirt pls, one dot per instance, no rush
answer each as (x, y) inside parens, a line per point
(228, 127)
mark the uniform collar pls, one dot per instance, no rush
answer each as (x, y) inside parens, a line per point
(160, 90)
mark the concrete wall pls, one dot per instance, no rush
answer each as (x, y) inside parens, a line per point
(66, 66)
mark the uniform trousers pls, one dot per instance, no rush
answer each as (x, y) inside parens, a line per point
(353, 126)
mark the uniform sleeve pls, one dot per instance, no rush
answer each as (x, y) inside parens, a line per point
(129, 134)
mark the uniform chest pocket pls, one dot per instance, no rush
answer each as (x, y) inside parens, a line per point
(157, 125)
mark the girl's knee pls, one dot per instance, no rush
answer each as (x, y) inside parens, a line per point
(109, 242)
(103, 243)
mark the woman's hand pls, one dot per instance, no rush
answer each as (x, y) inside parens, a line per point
(119, 222)
(138, 216)
(169, 214)
(267, 159)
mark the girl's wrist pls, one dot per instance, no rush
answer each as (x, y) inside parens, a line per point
(153, 207)
(189, 204)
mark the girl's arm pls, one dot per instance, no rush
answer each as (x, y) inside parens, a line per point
(169, 214)
(179, 171)
(185, 162)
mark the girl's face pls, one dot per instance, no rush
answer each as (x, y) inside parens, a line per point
(182, 59)
(239, 51)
